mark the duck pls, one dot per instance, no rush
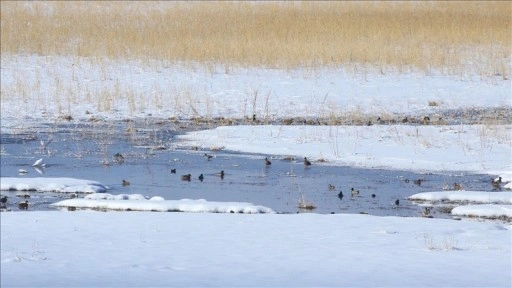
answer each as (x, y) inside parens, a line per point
(457, 186)
(186, 177)
(425, 120)
(497, 180)
(3, 200)
(201, 177)
(23, 205)
(220, 174)
(306, 162)
(354, 192)
(208, 157)
(331, 187)
(173, 171)
(426, 212)
(397, 202)
(373, 195)
(267, 162)
(418, 182)
(126, 183)
(340, 195)
(118, 157)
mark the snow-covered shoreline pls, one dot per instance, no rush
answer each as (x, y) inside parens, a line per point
(270, 250)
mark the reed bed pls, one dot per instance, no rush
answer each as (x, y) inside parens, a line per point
(451, 37)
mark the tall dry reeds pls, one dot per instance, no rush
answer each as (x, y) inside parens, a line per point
(445, 36)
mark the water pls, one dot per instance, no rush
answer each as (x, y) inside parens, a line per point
(86, 152)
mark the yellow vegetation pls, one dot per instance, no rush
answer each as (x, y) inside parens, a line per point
(447, 36)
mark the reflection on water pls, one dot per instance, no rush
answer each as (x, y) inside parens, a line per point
(149, 157)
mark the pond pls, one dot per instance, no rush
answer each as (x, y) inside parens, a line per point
(86, 151)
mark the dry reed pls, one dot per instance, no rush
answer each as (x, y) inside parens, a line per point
(451, 37)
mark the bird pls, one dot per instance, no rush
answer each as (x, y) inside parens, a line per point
(186, 177)
(457, 186)
(426, 212)
(418, 182)
(173, 171)
(397, 202)
(221, 174)
(306, 162)
(3, 200)
(425, 120)
(208, 157)
(331, 187)
(267, 162)
(497, 180)
(126, 183)
(38, 163)
(354, 192)
(373, 195)
(119, 158)
(340, 195)
(22, 171)
(496, 184)
(23, 205)
(201, 177)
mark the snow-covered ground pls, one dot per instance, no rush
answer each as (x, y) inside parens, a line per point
(86, 248)
(49, 86)
(418, 148)
(141, 249)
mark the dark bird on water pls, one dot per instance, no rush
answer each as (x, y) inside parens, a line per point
(418, 182)
(397, 202)
(340, 195)
(23, 205)
(186, 177)
(496, 183)
(126, 183)
(208, 157)
(221, 174)
(201, 177)
(267, 162)
(373, 195)
(306, 162)
(3, 200)
(173, 171)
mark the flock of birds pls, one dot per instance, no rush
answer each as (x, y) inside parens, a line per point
(221, 174)
(496, 183)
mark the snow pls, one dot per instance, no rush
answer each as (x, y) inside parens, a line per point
(42, 184)
(487, 211)
(39, 87)
(465, 196)
(137, 202)
(121, 249)
(91, 248)
(417, 148)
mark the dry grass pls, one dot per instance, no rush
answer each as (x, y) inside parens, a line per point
(446, 36)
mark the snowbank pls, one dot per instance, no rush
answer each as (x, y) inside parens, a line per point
(484, 211)
(137, 202)
(403, 147)
(464, 196)
(46, 184)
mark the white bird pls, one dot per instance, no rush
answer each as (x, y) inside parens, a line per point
(38, 163)
(45, 145)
